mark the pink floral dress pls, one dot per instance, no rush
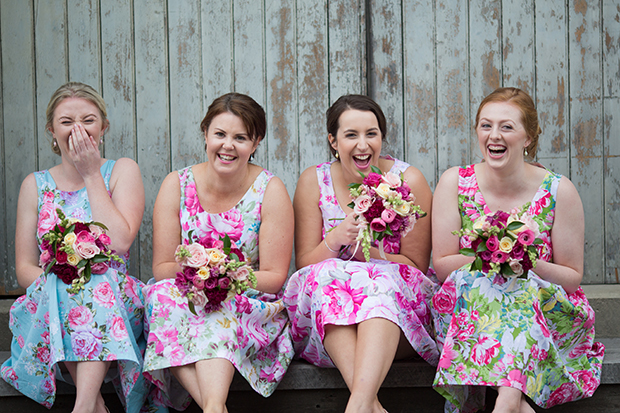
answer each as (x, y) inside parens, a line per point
(103, 322)
(522, 333)
(251, 331)
(345, 292)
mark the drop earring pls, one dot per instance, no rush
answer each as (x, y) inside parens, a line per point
(337, 155)
(54, 143)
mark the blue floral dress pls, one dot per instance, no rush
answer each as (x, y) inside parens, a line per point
(102, 322)
(524, 333)
(251, 331)
(341, 291)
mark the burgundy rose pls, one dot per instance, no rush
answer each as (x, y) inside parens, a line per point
(396, 223)
(45, 246)
(238, 253)
(79, 227)
(374, 211)
(61, 257)
(493, 243)
(215, 297)
(486, 255)
(517, 251)
(99, 268)
(199, 283)
(65, 272)
(211, 283)
(499, 257)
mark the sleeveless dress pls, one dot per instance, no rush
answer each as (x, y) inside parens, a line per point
(251, 331)
(340, 291)
(102, 322)
(523, 333)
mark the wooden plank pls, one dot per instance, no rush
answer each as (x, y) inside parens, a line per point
(281, 69)
(152, 114)
(612, 189)
(586, 124)
(4, 259)
(386, 77)
(118, 89)
(249, 61)
(83, 25)
(611, 47)
(186, 110)
(419, 100)
(518, 45)
(50, 32)
(217, 50)
(16, 32)
(347, 48)
(552, 94)
(453, 109)
(312, 83)
(485, 61)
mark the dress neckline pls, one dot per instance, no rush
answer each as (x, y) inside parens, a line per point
(55, 185)
(245, 194)
(483, 201)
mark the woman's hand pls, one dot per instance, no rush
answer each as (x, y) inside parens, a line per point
(345, 233)
(84, 152)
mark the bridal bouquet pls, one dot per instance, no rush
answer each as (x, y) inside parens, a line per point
(386, 211)
(74, 250)
(503, 243)
(213, 271)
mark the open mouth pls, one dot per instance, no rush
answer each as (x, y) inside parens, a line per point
(226, 158)
(496, 150)
(362, 161)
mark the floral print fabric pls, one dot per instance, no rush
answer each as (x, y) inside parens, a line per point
(103, 322)
(522, 333)
(251, 331)
(345, 292)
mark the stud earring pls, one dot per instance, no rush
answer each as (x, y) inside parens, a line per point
(54, 143)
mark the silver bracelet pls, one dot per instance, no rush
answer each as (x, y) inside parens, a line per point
(325, 241)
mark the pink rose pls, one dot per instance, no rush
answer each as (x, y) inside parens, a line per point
(79, 316)
(230, 222)
(373, 179)
(99, 268)
(105, 240)
(85, 237)
(31, 306)
(96, 230)
(377, 225)
(362, 203)
(224, 283)
(493, 243)
(499, 257)
(445, 299)
(48, 217)
(43, 354)
(516, 267)
(118, 330)
(104, 295)
(199, 257)
(526, 237)
(45, 258)
(388, 215)
(392, 179)
(86, 342)
(86, 250)
(200, 299)
(241, 274)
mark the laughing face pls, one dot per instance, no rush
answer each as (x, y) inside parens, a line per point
(358, 142)
(501, 134)
(229, 145)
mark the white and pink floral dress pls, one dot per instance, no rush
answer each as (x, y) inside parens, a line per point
(339, 291)
(523, 333)
(103, 322)
(251, 331)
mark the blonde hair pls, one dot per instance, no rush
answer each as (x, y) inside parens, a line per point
(529, 115)
(74, 90)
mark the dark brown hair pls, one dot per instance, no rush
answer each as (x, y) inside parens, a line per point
(357, 102)
(251, 113)
(529, 115)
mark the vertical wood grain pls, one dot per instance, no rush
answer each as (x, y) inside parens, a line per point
(185, 83)
(5, 274)
(586, 126)
(19, 126)
(519, 38)
(453, 120)
(312, 83)
(50, 35)
(152, 114)
(386, 75)
(249, 63)
(217, 50)
(552, 88)
(611, 47)
(612, 188)
(420, 89)
(84, 29)
(485, 60)
(281, 68)
(347, 48)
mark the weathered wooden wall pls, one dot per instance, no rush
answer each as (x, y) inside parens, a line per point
(159, 63)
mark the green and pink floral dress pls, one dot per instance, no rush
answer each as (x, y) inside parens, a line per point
(251, 331)
(523, 333)
(103, 322)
